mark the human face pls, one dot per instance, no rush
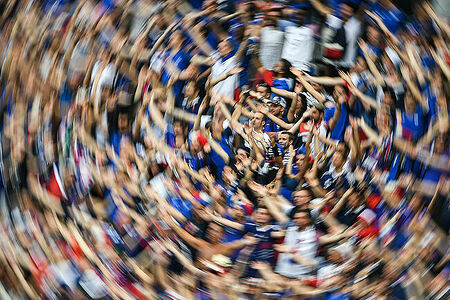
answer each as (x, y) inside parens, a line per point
(241, 155)
(316, 86)
(440, 142)
(262, 216)
(353, 200)
(176, 39)
(346, 11)
(284, 140)
(190, 89)
(177, 128)
(214, 233)
(301, 198)
(315, 114)
(360, 64)
(340, 148)
(224, 48)
(410, 104)
(123, 123)
(257, 121)
(300, 159)
(338, 160)
(373, 36)
(339, 91)
(264, 91)
(276, 109)
(301, 219)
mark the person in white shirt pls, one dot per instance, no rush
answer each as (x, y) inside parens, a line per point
(352, 27)
(298, 44)
(226, 62)
(298, 252)
(271, 43)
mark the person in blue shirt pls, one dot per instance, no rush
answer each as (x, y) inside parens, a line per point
(119, 126)
(178, 59)
(277, 108)
(222, 137)
(413, 119)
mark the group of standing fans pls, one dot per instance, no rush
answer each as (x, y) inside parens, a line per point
(224, 149)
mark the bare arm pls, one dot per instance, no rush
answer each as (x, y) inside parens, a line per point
(413, 88)
(320, 7)
(308, 86)
(372, 67)
(283, 93)
(228, 223)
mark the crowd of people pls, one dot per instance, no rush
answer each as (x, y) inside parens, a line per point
(205, 149)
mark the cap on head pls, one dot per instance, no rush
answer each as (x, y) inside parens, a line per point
(277, 100)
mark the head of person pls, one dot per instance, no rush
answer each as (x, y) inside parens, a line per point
(317, 112)
(180, 128)
(272, 17)
(340, 253)
(191, 91)
(286, 139)
(360, 64)
(214, 233)
(355, 199)
(177, 39)
(229, 174)
(277, 106)
(389, 96)
(123, 122)
(301, 217)
(282, 69)
(300, 158)
(237, 212)
(217, 128)
(262, 215)
(242, 153)
(302, 197)
(317, 86)
(300, 16)
(264, 89)
(225, 48)
(347, 9)
(339, 91)
(106, 93)
(340, 156)
(409, 102)
(441, 142)
(258, 121)
(373, 35)
(384, 120)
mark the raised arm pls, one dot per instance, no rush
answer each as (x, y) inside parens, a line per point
(187, 237)
(367, 101)
(320, 7)
(283, 93)
(228, 223)
(413, 87)
(372, 67)
(308, 86)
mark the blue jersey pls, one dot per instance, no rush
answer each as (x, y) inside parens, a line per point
(263, 250)
(413, 125)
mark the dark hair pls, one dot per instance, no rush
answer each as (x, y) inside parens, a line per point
(307, 189)
(299, 209)
(390, 91)
(244, 148)
(346, 149)
(352, 4)
(265, 85)
(290, 134)
(286, 68)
